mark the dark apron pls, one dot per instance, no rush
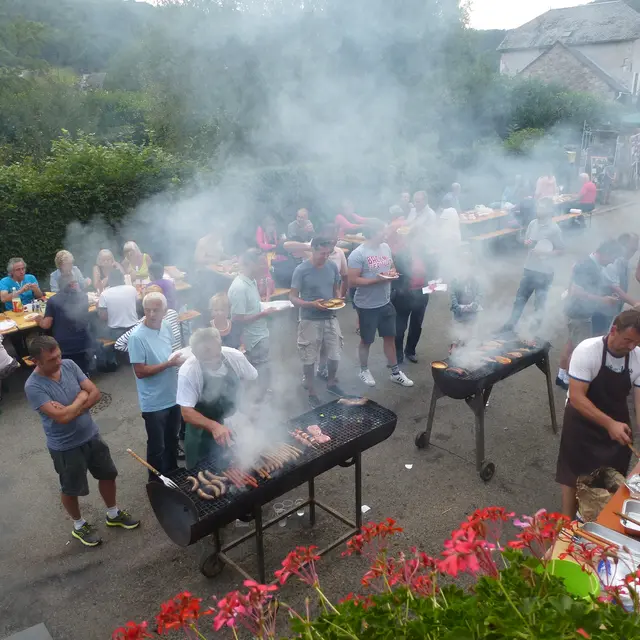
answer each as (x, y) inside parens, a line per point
(586, 446)
(217, 402)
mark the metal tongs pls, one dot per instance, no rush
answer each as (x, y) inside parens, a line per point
(167, 481)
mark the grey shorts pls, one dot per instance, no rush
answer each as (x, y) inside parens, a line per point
(580, 329)
(72, 466)
(258, 355)
(382, 320)
(313, 335)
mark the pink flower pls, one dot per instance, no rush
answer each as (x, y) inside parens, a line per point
(302, 563)
(229, 608)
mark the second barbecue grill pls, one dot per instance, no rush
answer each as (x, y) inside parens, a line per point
(186, 518)
(474, 386)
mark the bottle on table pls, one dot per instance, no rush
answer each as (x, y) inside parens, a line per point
(16, 302)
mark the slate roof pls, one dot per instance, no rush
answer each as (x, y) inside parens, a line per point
(594, 67)
(612, 21)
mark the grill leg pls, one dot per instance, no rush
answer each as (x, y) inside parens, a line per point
(257, 516)
(552, 403)
(312, 502)
(217, 542)
(358, 472)
(476, 403)
(436, 394)
(545, 367)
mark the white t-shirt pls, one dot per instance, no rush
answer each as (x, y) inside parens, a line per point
(190, 375)
(120, 303)
(587, 358)
(340, 260)
(5, 358)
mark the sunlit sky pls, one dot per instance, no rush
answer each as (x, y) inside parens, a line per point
(508, 14)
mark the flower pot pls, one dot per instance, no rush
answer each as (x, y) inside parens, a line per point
(578, 583)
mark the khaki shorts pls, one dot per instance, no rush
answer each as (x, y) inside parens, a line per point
(315, 334)
(580, 329)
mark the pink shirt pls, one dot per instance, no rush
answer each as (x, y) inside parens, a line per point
(588, 193)
(344, 225)
(266, 241)
(546, 187)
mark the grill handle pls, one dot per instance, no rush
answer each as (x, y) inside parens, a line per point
(143, 462)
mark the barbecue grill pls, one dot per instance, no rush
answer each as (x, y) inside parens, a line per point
(474, 386)
(186, 518)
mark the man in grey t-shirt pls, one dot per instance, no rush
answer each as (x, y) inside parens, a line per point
(61, 393)
(544, 240)
(373, 301)
(315, 281)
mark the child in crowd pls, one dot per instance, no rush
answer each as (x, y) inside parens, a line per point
(465, 304)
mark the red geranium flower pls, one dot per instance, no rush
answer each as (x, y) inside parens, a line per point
(229, 608)
(373, 535)
(182, 611)
(465, 552)
(583, 633)
(302, 563)
(132, 631)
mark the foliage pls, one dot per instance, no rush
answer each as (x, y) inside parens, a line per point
(410, 596)
(80, 180)
(523, 140)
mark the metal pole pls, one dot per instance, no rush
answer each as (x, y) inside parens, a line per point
(435, 394)
(476, 403)
(312, 502)
(552, 403)
(358, 473)
(257, 516)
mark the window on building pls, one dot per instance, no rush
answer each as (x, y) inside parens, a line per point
(636, 81)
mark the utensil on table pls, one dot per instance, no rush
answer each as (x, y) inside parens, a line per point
(635, 452)
(166, 481)
(628, 518)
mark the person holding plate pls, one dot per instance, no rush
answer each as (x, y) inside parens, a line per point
(314, 290)
(371, 271)
(544, 240)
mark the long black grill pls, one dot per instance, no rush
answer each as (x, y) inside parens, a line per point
(474, 380)
(474, 386)
(187, 518)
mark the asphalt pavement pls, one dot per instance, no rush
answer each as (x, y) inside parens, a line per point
(82, 594)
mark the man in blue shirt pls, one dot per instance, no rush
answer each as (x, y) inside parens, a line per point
(67, 316)
(63, 396)
(20, 283)
(157, 383)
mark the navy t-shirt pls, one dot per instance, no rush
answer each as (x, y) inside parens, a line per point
(70, 313)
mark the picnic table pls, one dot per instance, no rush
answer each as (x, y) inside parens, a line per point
(472, 217)
(358, 239)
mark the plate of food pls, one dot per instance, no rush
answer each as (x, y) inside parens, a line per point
(333, 303)
(31, 316)
(403, 231)
(390, 275)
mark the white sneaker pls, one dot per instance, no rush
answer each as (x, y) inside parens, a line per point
(401, 379)
(367, 378)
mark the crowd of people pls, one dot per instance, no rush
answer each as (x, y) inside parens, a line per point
(188, 393)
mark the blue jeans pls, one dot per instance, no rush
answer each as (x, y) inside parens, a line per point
(162, 438)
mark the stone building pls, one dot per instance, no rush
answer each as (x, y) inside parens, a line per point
(593, 47)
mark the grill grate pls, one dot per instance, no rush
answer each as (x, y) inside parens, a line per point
(342, 423)
(488, 369)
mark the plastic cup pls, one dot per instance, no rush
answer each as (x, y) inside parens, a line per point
(298, 503)
(288, 504)
(279, 509)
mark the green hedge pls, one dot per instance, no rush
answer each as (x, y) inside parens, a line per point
(80, 181)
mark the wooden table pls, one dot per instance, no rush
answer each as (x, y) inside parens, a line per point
(352, 239)
(495, 214)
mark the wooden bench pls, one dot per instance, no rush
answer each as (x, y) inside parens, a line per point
(492, 235)
(566, 216)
